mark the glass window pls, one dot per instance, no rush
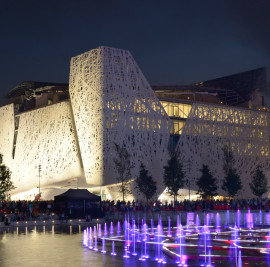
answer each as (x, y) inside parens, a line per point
(178, 110)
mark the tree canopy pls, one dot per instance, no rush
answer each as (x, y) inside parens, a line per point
(173, 176)
(145, 184)
(258, 183)
(6, 184)
(232, 183)
(228, 159)
(123, 167)
(207, 184)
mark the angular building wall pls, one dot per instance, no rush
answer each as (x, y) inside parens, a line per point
(7, 133)
(112, 102)
(86, 89)
(210, 128)
(45, 137)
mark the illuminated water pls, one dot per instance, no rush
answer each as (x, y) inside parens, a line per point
(54, 246)
(194, 244)
(217, 236)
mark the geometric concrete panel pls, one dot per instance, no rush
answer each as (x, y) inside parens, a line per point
(45, 137)
(209, 128)
(112, 102)
(85, 89)
(7, 132)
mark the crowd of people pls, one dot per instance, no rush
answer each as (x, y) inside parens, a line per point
(25, 210)
(186, 205)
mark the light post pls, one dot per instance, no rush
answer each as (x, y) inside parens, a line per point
(39, 170)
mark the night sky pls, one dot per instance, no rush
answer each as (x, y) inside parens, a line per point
(173, 42)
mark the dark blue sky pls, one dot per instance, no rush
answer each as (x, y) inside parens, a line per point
(174, 42)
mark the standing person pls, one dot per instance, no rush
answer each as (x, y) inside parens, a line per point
(30, 207)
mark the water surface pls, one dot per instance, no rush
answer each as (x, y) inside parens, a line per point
(55, 246)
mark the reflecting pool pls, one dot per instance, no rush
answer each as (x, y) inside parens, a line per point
(239, 239)
(188, 239)
(54, 246)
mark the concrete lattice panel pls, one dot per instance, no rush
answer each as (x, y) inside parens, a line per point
(112, 102)
(7, 132)
(209, 128)
(46, 136)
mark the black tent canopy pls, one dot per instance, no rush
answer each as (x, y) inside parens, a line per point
(78, 194)
(78, 203)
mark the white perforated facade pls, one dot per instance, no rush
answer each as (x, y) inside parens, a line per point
(209, 128)
(46, 137)
(7, 128)
(111, 102)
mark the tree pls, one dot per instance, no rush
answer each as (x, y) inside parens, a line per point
(173, 176)
(6, 184)
(232, 183)
(228, 159)
(123, 167)
(258, 183)
(145, 184)
(207, 184)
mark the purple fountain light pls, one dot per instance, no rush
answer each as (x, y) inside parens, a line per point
(238, 218)
(198, 224)
(169, 227)
(182, 259)
(90, 243)
(227, 224)
(217, 222)
(99, 231)
(239, 259)
(118, 228)
(186, 243)
(103, 245)
(95, 237)
(249, 219)
(105, 232)
(111, 229)
(134, 253)
(113, 251)
(159, 253)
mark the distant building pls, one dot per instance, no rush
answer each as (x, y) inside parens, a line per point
(71, 130)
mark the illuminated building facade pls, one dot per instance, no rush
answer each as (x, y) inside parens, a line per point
(71, 130)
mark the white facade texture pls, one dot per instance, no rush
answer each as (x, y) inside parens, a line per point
(7, 128)
(112, 102)
(44, 137)
(209, 128)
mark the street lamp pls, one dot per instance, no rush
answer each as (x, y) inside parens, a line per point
(39, 170)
